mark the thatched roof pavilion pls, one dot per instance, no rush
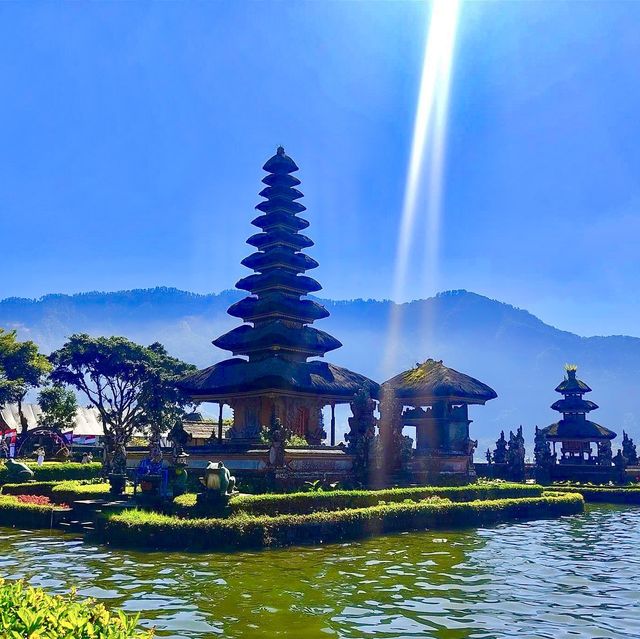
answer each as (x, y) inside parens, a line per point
(432, 380)
(434, 399)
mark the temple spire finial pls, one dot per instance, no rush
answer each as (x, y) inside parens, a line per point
(280, 150)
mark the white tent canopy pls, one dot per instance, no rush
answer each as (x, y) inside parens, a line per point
(87, 419)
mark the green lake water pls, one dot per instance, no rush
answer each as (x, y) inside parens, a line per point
(578, 577)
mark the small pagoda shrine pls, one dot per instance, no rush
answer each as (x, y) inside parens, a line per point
(435, 400)
(272, 374)
(574, 431)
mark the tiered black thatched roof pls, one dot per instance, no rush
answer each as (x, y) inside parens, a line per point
(433, 380)
(574, 404)
(237, 376)
(277, 338)
(574, 408)
(280, 318)
(578, 430)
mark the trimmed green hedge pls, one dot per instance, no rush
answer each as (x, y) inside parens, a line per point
(30, 612)
(600, 494)
(69, 491)
(15, 513)
(145, 529)
(62, 491)
(29, 488)
(58, 471)
(301, 503)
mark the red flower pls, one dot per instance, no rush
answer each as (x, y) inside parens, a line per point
(39, 500)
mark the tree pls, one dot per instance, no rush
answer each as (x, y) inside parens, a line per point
(162, 401)
(59, 407)
(22, 367)
(132, 386)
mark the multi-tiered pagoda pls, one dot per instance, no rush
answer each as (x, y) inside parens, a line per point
(574, 431)
(274, 372)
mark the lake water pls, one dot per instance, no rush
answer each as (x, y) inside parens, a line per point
(578, 577)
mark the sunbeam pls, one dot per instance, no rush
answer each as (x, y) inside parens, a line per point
(423, 190)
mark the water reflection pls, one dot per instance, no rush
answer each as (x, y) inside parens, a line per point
(577, 577)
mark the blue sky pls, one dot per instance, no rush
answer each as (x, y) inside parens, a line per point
(132, 136)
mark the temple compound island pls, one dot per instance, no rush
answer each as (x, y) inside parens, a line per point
(434, 399)
(576, 434)
(277, 387)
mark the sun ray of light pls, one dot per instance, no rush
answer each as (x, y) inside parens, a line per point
(424, 193)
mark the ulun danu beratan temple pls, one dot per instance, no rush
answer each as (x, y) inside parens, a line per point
(277, 340)
(277, 375)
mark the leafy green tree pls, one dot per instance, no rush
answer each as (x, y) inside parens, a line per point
(132, 386)
(59, 407)
(22, 367)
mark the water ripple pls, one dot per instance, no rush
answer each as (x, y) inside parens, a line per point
(574, 578)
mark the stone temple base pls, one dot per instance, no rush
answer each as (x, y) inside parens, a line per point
(444, 469)
(324, 463)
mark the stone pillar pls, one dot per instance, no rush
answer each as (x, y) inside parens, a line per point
(333, 423)
(390, 432)
(220, 404)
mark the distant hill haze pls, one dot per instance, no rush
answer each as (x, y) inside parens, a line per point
(509, 349)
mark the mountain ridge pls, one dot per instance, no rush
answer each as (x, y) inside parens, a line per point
(507, 347)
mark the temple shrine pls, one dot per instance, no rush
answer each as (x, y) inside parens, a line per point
(574, 432)
(577, 460)
(272, 373)
(434, 399)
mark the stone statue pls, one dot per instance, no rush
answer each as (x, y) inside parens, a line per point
(471, 445)
(18, 472)
(218, 482)
(629, 450)
(515, 456)
(362, 429)
(318, 433)
(119, 461)
(178, 437)
(543, 457)
(500, 452)
(620, 462)
(277, 437)
(605, 455)
(180, 476)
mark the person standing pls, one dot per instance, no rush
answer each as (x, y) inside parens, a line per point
(40, 454)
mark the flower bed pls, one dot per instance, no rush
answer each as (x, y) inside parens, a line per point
(58, 471)
(147, 529)
(601, 494)
(301, 503)
(14, 512)
(30, 612)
